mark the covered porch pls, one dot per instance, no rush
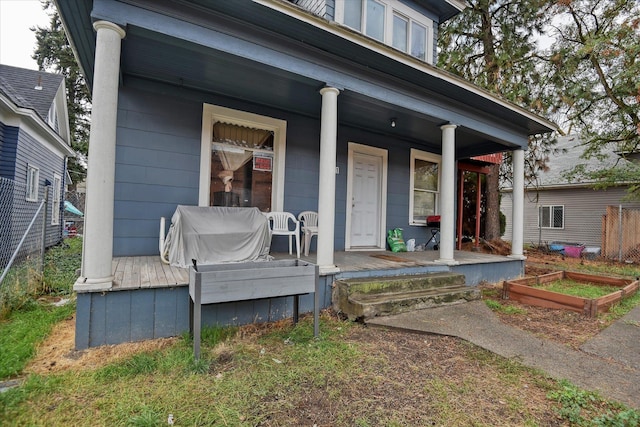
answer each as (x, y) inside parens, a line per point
(141, 272)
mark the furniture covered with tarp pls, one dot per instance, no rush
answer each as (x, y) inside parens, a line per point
(215, 235)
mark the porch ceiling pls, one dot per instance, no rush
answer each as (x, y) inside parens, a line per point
(151, 56)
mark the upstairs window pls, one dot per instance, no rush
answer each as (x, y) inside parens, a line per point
(390, 22)
(551, 216)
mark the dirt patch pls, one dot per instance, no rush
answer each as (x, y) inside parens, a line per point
(57, 353)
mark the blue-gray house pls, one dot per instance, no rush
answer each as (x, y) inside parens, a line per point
(34, 146)
(324, 105)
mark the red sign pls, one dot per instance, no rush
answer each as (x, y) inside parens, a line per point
(263, 163)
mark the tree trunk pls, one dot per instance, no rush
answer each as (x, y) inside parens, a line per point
(492, 214)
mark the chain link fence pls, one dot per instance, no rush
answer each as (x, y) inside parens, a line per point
(21, 238)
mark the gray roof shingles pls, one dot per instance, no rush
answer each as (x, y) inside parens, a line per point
(18, 84)
(570, 151)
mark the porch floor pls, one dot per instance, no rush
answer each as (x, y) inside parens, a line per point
(150, 272)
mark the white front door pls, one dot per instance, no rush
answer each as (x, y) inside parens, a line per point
(366, 197)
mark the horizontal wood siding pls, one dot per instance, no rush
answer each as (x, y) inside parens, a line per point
(157, 166)
(158, 155)
(132, 315)
(583, 211)
(31, 151)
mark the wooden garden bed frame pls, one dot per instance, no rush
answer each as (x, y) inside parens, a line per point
(522, 290)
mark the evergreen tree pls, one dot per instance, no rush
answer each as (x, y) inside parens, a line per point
(596, 66)
(54, 54)
(492, 43)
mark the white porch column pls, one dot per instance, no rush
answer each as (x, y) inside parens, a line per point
(97, 251)
(327, 187)
(517, 216)
(447, 194)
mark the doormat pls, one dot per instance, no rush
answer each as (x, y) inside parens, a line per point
(391, 258)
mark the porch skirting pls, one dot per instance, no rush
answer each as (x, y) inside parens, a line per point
(150, 300)
(126, 315)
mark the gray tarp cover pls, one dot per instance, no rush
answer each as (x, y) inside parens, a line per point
(216, 235)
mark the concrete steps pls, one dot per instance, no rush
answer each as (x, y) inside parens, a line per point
(365, 298)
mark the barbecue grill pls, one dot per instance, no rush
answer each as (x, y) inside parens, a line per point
(433, 221)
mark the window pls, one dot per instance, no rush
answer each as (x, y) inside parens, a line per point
(390, 22)
(375, 20)
(242, 159)
(56, 190)
(425, 186)
(33, 175)
(551, 217)
(400, 32)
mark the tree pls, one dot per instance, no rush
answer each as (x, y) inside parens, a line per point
(53, 53)
(492, 44)
(595, 65)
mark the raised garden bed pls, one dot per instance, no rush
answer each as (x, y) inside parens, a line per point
(523, 291)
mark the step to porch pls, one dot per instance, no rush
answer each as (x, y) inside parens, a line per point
(365, 298)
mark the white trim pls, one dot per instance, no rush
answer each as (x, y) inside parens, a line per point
(384, 155)
(28, 119)
(391, 8)
(31, 185)
(355, 37)
(428, 157)
(550, 207)
(55, 204)
(214, 113)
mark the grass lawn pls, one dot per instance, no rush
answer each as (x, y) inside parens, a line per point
(577, 289)
(278, 374)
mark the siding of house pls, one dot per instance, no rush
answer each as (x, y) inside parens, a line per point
(583, 210)
(158, 162)
(31, 151)
(116, 317)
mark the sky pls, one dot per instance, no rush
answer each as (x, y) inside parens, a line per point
(17, 42)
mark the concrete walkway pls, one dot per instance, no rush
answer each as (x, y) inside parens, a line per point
(608, 364)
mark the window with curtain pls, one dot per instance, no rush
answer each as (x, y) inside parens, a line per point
(241, 166)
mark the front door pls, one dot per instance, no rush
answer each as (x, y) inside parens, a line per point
(367, 180)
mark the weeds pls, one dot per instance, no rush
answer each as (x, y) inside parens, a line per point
(504, 308)
(581, 408)
(24, 283)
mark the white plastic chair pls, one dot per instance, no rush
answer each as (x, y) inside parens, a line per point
(279, 224)
(309, 227)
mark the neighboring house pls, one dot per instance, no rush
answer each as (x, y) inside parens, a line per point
(559, 210)
(331, 106)
(34, 146)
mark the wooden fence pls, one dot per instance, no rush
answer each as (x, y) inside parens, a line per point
(621, 234)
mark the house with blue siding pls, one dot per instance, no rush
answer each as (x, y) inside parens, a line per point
(323, 105)
(34, 147)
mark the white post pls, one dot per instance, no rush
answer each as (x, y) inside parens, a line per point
(327, 187)
(97, 253)
(447, 195)
(517, 220)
